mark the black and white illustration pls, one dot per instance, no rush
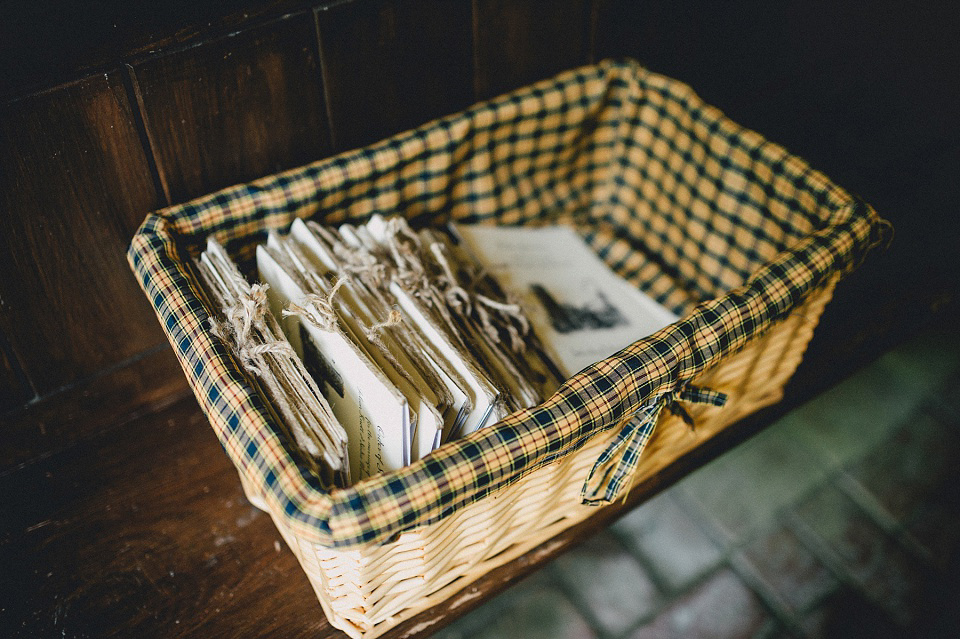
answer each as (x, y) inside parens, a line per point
(568, 316)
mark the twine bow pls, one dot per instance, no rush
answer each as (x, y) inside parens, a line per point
(373, 332)
(608, 474)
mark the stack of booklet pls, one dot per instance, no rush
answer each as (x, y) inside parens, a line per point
(375, 344)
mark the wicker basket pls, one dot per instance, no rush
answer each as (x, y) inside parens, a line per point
(744, 241)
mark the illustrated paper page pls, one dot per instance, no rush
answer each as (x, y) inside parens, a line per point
(581, 309)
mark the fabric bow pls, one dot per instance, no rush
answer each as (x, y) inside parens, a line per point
(603, 483)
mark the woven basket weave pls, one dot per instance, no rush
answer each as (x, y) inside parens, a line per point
(744, 241)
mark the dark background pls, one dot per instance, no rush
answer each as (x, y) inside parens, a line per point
(111, 109)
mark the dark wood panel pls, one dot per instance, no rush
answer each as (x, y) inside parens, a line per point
(520, 41)
(74, 185)
(45, 43)
(91, 407)
(392, 64)
(701, 42)
(14, 390)
(807, 73)
(234, 109)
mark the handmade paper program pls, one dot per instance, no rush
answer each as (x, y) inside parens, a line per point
(579, 307)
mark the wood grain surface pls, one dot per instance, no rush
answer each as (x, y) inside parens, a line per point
(54, 41)
(14, 390)
(234, 109)
(517, 42)
(390, 65)
(92, 406)
(144, 531)
(74, 186)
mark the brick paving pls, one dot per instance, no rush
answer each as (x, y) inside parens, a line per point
(663, 535)
(840, 520)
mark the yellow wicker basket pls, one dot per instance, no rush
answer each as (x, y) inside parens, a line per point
(744, 241)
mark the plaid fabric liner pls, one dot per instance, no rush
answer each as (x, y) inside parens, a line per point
(724, 227)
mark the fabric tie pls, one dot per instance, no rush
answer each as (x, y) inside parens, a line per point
(605, 480)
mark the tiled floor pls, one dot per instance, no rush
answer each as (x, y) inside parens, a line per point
(840, 520)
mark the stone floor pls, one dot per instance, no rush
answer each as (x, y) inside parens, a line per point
(840, 520)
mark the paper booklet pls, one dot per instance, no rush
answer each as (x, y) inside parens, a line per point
(379, 332)
(248, 327)
(372, 410)
(579, 307)
(374, 344)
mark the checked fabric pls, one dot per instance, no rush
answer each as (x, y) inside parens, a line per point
(722, 226)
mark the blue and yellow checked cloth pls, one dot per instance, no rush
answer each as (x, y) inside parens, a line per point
(722, 226)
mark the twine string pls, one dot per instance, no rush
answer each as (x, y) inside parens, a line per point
(361, 263)
(243, 318)
(373, 332)
(516, 322)
(454, 294)
(319, 309)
